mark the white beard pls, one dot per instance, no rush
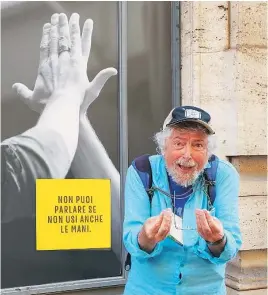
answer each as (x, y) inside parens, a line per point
(182, 178)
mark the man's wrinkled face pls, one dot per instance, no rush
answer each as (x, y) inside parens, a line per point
(186, 155)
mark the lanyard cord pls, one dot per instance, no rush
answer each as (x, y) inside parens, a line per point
(154, 188)
(204, 187)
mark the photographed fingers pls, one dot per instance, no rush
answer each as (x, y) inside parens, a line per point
(100, 80)
(53, 53)
(44, 45)
(54, 35)
(64, 37)
(23, 91)
(86, 39)
(75, 37)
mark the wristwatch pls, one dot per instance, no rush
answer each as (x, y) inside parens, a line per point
(217, 242)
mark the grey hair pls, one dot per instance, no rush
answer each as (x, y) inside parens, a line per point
(161, 136)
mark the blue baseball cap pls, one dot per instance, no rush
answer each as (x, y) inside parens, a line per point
(188, 114)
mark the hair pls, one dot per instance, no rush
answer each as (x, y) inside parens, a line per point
(161, 136)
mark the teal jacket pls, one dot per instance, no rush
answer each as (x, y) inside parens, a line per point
(172, 269)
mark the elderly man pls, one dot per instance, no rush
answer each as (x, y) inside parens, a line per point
(160, 263)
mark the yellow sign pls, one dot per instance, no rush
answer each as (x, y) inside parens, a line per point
(73, 214)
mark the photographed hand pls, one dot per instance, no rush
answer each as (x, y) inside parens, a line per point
(37, 99)
(94, 87)
(210, 228)
(155, 229)
(59, 70)
(80, 50)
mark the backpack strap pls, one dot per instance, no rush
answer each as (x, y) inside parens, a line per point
(210, 179)
(143, 168)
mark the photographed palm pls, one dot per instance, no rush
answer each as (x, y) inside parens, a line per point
(37, 98)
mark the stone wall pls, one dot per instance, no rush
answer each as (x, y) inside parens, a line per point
(224, 70)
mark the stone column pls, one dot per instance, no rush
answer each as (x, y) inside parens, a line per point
(224, 70)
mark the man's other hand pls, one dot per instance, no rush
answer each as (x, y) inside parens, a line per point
(154, 230)
(209, 227)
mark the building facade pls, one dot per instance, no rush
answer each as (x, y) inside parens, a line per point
(224, 70)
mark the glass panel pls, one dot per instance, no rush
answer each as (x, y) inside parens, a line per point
(149, 72)
(21, 31)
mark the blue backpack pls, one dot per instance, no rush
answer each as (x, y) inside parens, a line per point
(143, 167)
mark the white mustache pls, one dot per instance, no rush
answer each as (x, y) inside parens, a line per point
(186, 163)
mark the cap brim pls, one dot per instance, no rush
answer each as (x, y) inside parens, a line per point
(204, 124)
